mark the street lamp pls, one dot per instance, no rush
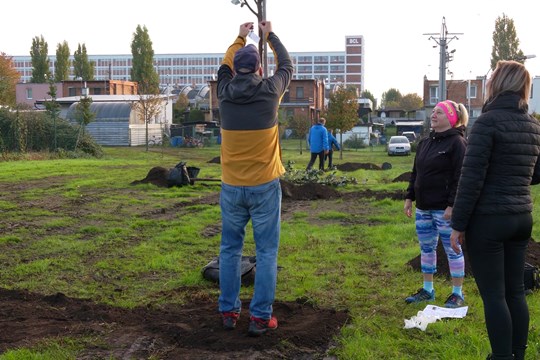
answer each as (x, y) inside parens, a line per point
(524, 57)
(261, 16)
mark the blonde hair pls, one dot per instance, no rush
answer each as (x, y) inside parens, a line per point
(510, 76)
(462, 113)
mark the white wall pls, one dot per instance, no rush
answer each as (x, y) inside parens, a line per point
(361, 132)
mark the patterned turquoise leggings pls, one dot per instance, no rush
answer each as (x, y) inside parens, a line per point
(429, 226)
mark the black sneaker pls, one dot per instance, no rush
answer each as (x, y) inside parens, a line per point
(454, 301)
(258, 326)
(229, 320)
(421, 295)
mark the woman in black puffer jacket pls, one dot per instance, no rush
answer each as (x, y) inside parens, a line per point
(493, 205)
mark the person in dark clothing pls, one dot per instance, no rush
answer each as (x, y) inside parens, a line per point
(251, 165)
(318, 144)
(332, 142)
(493, 205)
(433, 184)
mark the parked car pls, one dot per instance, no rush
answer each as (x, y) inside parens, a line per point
(399, 145)
(411, 135)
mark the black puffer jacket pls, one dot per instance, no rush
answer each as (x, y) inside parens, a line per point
(436, 169)
(500, 163)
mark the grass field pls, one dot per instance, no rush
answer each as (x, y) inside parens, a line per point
(75, 226)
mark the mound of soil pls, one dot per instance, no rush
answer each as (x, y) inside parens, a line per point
(403, 177)
(532, 257)
(313, 191)
(191, 331)
(157, 175)
(355, 166)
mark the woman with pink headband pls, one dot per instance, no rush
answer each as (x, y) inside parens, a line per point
(433, 184)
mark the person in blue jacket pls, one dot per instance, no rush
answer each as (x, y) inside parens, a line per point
(318, 143)
(332, 141)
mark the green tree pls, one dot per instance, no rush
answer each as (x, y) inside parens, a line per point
(179, 108)
(342, 112)
(143, 71)
(82, 67)
(505, 42)
(366, 94)
(411, 102)
(53, 109)
(196, 115)
(62, 65)
(84, 116)
(301, 125)
(391, 98)
(40, 60)
(9, 76)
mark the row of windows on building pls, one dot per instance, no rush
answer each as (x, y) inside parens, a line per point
(472, 92)
(196, 61)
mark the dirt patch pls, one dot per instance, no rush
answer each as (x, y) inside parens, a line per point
(348, 166)
(191, 331)
(403, 177)
(292, 191)
(157, 176)
(532, 257)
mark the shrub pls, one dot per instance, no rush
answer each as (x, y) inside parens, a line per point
(32, 131)
(312, 176)
(354, 142)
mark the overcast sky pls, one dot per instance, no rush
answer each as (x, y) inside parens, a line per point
(397, 53)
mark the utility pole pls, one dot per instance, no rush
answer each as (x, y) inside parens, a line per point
(444, 56)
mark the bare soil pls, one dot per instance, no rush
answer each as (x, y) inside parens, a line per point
(190, 331)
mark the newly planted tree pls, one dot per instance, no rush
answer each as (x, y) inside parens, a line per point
(84, 115)
(53, 109)
(342, 113)
(300, 124)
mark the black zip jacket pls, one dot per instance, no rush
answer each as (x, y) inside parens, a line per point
(500, 163)
(436, 169)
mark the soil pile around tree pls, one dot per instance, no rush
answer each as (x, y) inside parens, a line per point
(191, 331)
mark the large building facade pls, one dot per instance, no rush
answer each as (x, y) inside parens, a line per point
(331, 67)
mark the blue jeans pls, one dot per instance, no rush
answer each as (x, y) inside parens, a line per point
(239, 204)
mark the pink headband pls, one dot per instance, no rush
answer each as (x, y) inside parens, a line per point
(450, 112)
